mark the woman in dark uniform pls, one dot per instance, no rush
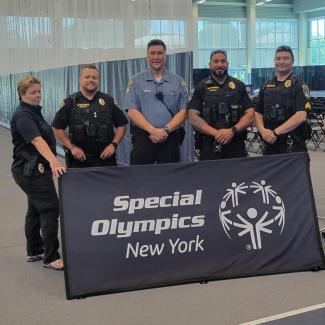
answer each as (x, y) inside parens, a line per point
(34, 161)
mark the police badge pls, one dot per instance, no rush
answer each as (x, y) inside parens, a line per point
(101, 101)
(288, 83)
(232, 85)
(40, 168)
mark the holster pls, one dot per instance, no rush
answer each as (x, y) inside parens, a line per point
(30, 166)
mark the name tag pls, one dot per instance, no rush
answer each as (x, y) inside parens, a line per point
(147, 90)
(82, 105)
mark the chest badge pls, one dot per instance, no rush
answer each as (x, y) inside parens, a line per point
(101, 101)
(288, 83)
(232, 85)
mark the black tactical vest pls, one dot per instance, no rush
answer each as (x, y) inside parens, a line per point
(278, 102)
(91, 124)
(221, 107)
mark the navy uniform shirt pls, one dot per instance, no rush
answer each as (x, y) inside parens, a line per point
(26, 124)
(141, 95)
(198, 97)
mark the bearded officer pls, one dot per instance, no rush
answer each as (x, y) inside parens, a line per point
(91, 117)
(220, 111)
(281, 108)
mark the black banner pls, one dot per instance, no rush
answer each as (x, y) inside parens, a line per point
(127, 228)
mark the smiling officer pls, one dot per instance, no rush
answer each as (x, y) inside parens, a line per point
(220, 111)
(156, 103)
(281, 108)
(91, 116)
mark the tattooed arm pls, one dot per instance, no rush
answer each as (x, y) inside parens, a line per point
(199, 124)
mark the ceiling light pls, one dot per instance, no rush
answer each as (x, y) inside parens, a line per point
(200, 1)
(263, 2)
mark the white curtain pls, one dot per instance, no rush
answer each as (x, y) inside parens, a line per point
(44, 34)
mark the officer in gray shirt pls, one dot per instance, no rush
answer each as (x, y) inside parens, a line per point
(156, 103)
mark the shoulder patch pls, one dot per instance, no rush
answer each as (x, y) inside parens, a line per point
(115, 102)
(130, 84)
(308, 106)
(184, 84)
(305, 90)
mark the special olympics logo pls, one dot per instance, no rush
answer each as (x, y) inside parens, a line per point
(251, 209)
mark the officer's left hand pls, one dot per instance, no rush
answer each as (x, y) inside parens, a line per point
(107, 152)
(224, 136)
(57, 168)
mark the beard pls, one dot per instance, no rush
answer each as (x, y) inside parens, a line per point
(219, 74)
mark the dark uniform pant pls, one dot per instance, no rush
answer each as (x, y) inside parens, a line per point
(91, 161)
(280, 147)
(42, 214)
(234, 149)
(146, 152)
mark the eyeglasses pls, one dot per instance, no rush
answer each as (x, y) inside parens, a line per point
(224, 52)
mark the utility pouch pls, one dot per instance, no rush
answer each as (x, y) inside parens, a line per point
(79, 135)
(103, 133)
(280, 113)
(270, 113)
(92, 131)
(223, 109)
(214, 114)
(234, 113)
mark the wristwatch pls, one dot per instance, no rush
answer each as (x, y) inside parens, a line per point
(234, 130)
(115, 145)
(167, 129)
(275, 133)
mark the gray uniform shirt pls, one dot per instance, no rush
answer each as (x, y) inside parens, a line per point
(141, 95)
